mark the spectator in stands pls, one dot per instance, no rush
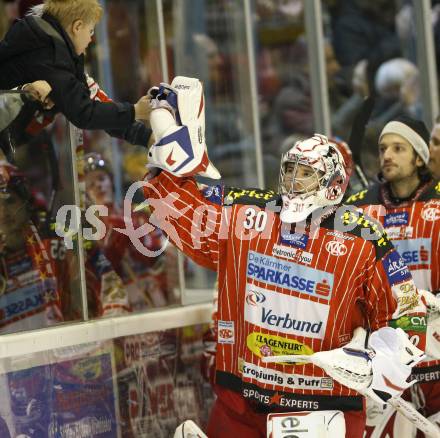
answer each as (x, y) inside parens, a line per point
(11, 103)
(49, 44)
(364, 30)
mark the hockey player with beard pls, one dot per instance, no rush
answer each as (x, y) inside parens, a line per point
(407, 203)
(297, 274)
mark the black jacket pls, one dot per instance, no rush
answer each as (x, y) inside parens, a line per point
(38, 48)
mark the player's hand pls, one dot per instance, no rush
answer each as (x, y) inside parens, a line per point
(40, 90)
(142, 108)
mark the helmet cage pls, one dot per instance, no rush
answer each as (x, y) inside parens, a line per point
(329, 172)
(300, 186)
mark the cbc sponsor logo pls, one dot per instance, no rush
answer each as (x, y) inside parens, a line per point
(336, 248)
(255, 297)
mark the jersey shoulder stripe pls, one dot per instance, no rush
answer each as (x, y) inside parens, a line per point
(432, 192)
(257, 197)
(365, 197)
(349, 220)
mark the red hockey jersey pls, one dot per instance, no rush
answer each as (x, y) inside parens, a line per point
(414, 228)
(285, 290)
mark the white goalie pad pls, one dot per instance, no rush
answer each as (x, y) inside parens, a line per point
(384, 421)
(178, 124)
(189, 429)
(320, 424)
(435, 418)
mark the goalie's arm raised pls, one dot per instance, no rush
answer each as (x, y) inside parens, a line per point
(187, 215)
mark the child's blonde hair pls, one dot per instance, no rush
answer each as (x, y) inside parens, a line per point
(68, 11)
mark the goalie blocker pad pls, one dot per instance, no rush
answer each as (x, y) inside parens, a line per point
(178, 124)
(379, 370)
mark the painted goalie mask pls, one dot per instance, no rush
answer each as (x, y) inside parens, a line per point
(312, 175)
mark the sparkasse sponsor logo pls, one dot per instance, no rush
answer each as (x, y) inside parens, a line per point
(289, 275)
(414, 251)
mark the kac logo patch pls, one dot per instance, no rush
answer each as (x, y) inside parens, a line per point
(431, 212)
(336, 248)
(226, 332)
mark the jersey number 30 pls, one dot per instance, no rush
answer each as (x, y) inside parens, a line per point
(256, 220)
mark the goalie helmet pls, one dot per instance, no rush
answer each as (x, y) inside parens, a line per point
(312, 175)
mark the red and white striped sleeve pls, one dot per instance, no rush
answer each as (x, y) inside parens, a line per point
(186, 216)
(393, 298)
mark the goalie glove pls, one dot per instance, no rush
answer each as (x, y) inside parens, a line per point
(178, 124)
(392, 362)
(349, 365)
(379, 370)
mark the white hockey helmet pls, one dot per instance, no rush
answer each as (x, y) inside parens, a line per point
(322, 183)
